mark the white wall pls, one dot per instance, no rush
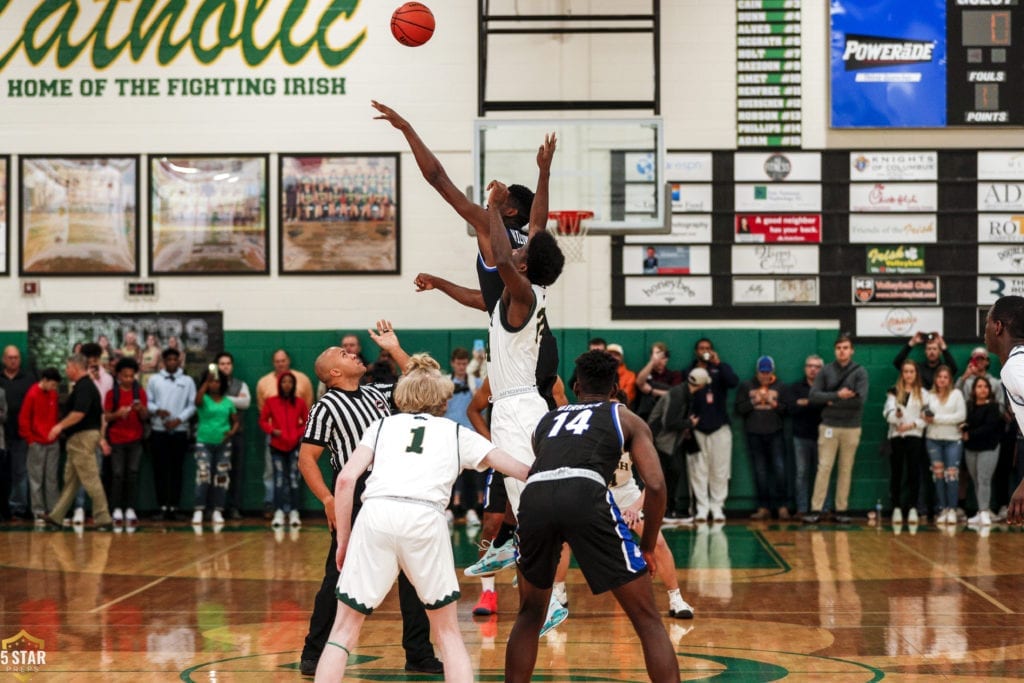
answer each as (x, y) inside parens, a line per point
(435, 87)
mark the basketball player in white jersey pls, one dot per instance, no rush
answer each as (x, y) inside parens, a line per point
(402, 523)
(1004, 336)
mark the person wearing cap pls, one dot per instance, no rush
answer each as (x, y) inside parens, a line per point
(842, 388)
(627, 378)
(977, 367)
(709, 472)
(936, 353)
(758, 401)
(712, 428)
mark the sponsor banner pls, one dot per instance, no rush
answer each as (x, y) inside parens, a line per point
(997, 259)
(686, 228)
(886, 165)
(758, 227)
(892, 229)
(897, 322)
(688, 167)
(1000, 227)
(992, 287)
(1001, 165)
(691, 197)
(898, 259)
(199, 336)
(640, 198)
(889, 291)
(668, 291)
(777, 166)
(1000, 196)
(774, 291)
(640, 167)
(894, 197)
(765, 259)
(665, 259)
(888, 64)
(777, 197)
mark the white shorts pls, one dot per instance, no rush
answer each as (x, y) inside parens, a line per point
(513, 421)
(625, 495)
(389, 536)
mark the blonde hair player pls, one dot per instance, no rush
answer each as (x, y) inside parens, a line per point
(402, 524)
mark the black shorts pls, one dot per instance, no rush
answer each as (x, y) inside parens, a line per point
(495, 498)
(582, 513)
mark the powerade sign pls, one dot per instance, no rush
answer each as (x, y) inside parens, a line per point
(888, 63)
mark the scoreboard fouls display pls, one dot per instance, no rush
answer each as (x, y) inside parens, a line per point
(985, 76)
(927, 64)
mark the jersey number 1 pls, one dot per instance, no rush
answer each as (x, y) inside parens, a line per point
(416, 440)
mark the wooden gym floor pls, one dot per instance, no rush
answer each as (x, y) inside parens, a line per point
(772, 602)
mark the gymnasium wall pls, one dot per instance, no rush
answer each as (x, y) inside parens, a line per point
(435, 87)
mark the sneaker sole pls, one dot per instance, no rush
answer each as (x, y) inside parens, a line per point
(556, 618)
(489, 570)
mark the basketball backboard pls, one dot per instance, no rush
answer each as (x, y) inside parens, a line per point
(613, 167)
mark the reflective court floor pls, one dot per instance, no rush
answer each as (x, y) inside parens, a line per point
(772, 602)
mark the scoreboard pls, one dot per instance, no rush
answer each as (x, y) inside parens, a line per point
(927, 64)
(985, 81)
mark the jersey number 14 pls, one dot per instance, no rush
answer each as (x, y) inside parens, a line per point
(577, 425)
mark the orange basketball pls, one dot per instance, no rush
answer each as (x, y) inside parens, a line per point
(412, 24)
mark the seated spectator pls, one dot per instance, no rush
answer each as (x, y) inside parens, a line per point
(758, 401)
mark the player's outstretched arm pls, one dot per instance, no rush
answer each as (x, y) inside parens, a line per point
(539, 209)
(475, 410)
(433, 171)
(384, 337)
(507, 465)
(640, 444)
(518, 290)
(471, 298)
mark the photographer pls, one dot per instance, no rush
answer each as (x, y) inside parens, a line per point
(977, 367)
(936, 353)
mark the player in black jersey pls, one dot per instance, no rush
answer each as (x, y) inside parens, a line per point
(566, 499)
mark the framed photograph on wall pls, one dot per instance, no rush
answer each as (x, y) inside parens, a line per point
(339, 214)
(208, 215)
(79, 215)
(5, 193)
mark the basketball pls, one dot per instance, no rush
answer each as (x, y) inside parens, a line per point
(412, 24)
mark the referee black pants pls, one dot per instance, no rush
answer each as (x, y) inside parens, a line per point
(415, 626)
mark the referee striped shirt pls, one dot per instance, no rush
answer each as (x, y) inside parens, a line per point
(337, 421)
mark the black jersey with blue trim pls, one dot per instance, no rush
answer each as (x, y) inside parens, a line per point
(584, 435)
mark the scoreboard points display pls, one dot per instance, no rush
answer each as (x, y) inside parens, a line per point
(927, 64)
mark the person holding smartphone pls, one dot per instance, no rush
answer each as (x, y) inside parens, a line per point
(124, 408)
(945, 413)
(936, 353)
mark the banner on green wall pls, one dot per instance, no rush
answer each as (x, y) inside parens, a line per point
(52, 336)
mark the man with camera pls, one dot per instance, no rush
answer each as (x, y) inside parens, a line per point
(977, 367)
(936, 353)
(712, 429)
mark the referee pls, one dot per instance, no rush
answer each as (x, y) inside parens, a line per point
(336, 423)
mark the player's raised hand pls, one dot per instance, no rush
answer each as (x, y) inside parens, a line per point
(423, 282)
(388, 114)
(384, 336)
(547, 151)
(497, 193)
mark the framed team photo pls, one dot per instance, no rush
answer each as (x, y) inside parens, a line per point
(5, 192)
(339, 214)
(79, 215)
(208, 215)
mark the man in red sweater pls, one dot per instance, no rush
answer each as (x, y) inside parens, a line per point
(39, 413)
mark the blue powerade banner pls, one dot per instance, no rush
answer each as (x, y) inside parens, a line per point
(888, 63)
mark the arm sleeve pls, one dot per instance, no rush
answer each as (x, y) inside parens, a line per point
(190, 406)
(744, 406)
(244, 398)
(901, 356)
(473, 448)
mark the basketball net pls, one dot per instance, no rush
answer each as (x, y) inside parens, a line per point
(571, 232)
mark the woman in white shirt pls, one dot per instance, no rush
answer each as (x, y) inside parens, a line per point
(945, 413)
(904, 406)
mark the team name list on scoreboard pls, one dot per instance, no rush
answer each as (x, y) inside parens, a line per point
(35, 88)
